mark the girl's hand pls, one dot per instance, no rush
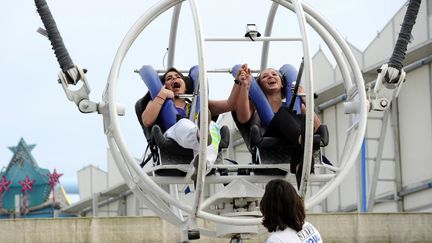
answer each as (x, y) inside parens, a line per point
(244, 75)
(166, 93)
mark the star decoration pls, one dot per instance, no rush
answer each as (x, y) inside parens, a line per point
(54, 178)
(21, 152)
(22, 144)
(4, 184)
(26, 184)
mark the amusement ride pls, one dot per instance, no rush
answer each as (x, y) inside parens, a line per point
(235, 207)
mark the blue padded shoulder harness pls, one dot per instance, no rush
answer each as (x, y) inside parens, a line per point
(289, 73)
(168, 113)
(259, 99)
(193, 75)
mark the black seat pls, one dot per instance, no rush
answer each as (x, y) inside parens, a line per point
(273, 150)
(165, 151)
(264, 150)
(268, 148)
(324, 135)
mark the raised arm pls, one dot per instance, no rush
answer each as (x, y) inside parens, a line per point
(220, 106)
(154, 107)
(243, 108)
(317, 121)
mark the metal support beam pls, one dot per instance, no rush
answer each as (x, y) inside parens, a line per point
(377, 165)
(394, 123)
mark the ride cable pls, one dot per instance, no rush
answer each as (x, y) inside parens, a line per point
(404, 37)
(56, 40)
(71, 74)
(391, 75)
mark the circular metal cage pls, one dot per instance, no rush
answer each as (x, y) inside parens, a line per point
(166, 204)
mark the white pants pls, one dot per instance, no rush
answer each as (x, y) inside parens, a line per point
(185, 133)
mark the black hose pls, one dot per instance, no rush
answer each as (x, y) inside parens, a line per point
(55, 38)
(405, 35)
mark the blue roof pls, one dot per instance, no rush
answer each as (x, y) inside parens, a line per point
(21, 165)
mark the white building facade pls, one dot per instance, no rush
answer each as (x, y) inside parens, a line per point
(397, 154)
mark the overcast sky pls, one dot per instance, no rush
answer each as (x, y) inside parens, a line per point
(34, 106)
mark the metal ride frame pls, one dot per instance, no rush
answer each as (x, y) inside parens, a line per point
(240, 188)
(168, 206)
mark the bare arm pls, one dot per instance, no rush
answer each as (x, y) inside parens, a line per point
(316, 120)
(244, 109)
(154, 107)
(220, 106)
(301, 91)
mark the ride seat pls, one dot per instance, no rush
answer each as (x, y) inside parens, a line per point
(165, 152)
(274, 150)
(170, 153)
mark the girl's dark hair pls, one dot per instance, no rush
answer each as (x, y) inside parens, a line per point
(284, 83)
(186, 79)
(282, 207)
(171, 70)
